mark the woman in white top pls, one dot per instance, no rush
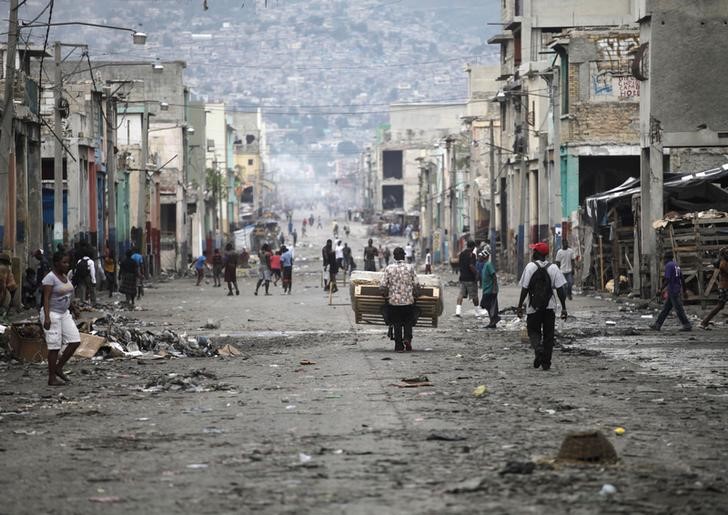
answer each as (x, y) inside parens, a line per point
(55, 315)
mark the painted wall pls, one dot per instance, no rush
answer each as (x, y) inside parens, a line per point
(688, 69)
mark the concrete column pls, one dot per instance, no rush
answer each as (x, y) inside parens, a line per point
(21, 174)
(73, 192)
(35, 198)
(180, 228)
(544, 186)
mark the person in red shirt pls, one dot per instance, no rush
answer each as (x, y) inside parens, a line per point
(275, 267)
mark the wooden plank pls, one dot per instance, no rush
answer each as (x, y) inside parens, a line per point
(712, 282)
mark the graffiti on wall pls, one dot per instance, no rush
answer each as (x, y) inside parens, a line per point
(611, 78)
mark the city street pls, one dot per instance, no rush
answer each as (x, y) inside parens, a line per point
(312, 416)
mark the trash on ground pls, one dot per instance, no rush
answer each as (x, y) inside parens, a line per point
(211, 324)
(587, 447)
(228, 350)
(106, 499)
(619, 431)
(480, 391)
(304, 458)
(518, 467)
(90, 345)
(467, 486)
(445, 437)
(307, 362)
(608, 490)
(413, 382)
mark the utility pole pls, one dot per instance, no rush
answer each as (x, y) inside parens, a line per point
(523, 187)
(7, 137)
(57, 149)
(491, 221)
(111, 168)
(555, 196)
(142, 204)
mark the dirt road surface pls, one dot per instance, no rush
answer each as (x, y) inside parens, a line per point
(265, 433)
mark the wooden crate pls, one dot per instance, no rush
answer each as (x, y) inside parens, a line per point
(367, 300)
(695, 241)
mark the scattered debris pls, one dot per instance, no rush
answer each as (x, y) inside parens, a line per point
(587, 447)
(467, 486)
(90, 345)
(195, 381)
(107, 499)
(480, 391)
(228, 350)
(304, 458)
(445, 437)
(619, 431)
(413, 382)
(211, 324)
(518, 467)
(608, 490)
(307, 362)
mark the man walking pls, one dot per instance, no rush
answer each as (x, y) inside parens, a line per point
(674, 284)
(328, 255)
(287, 264)
(84, 277)
(264, 271)
(538, 282)
(468, 279)
(428, 261)
(409, 253)
(722, 267)
(565, 260)
(489, 285)
(370, 253)
(398, 285)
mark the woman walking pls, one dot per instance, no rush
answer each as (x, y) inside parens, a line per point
(231, 267)
(128, 274)
(55, 316)
(216, 268)
(109, 271)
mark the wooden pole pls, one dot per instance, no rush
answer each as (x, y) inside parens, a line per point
(332, 283)
(601, 262)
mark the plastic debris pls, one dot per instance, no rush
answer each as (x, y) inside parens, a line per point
(619, 431)
(106, 499)
(413, 382)
(304, 458)
(445, 437)
(197, 466)
(480, 391)
(307, 362)
(608, 490)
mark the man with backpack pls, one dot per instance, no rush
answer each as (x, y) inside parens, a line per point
(538, 282)
(84, 278)
(468, 278)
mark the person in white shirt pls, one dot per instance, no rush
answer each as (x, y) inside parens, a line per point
(84, 278)
(409, 253)
(428, 261)
(339, 251)
(565, 260)
(538, 282)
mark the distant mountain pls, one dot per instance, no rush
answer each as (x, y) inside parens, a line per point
(322, 70)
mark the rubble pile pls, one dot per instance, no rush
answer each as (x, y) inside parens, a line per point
(200, 380)
(135, 341)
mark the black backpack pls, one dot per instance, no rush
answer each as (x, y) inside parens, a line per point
(539, 288)
(82, 271)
